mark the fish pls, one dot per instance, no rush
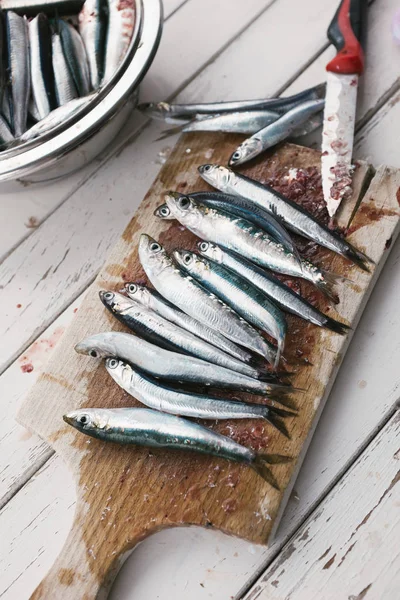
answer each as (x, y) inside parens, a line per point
(3, 78)
(198, 406)
(56, 117)
(241, 208)
(33, 112)
(280, 293)
(76, 57)
(275, 132)
(163, 110)
(42, 78)
(150, 428)
(19, 70)
(5, 106)
(195, 300)
(174, 367)
(64, 82)
(121, 23)
(92, 28)
(6, 135)
(169, 336)
(154, 301)
(247, 122)
(242, 237)
(248, 301)
(292, 215)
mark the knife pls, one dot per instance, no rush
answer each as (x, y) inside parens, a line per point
(346, 32)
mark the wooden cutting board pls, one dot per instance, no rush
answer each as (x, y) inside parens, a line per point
(125, 493)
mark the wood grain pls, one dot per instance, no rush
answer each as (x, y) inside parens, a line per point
(176, 488)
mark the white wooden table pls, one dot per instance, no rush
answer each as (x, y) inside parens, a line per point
(339, 537)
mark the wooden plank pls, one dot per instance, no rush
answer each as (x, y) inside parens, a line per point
(64, 382)
(347, 548)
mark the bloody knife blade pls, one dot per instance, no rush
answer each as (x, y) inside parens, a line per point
(346, 34)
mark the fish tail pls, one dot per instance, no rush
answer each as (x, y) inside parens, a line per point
(283, 396)
(168, 132)
(358, 257)
(327, 283)
(335, 326)
(260, 465)
(280, 412)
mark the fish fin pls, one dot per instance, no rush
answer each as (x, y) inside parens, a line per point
(281, 345)
(329, 281)
(168, 132)
(260, 465)
(336, 326)
(283, 397)
(277, 423)
(358, 258)
(280, 412)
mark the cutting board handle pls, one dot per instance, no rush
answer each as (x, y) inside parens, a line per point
(89, 560)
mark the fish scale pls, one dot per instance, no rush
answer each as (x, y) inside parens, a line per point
(19, 70)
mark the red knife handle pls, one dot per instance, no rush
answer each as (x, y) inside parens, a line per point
(346, 32)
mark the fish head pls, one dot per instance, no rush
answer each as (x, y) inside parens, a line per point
(211, 251)
(87, 420)
(163, 212)
(190, 262)
(115, 301)
(183, 208)
(97, 346)
(249, 149)
(119, 370)
(152, 255)
(155, 110)
(137, 292)
(216, 175)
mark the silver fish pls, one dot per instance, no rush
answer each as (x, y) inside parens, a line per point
(184, 404)
(5, 132)
(167, 335)
(19, 70)
(154, 301)
(33, 111)
(275, 132)
(163, 110)
(42, 75)
(150, 428)
(272, 287)
(194, 299)
(172, 366)
(175, 367)
(241, 208)
(92, 27)
(55, 118)
(5, 106)
(121, 23)
(76, 57)
(247, 300)
(295, 217)
(64, 82)
(244, 238)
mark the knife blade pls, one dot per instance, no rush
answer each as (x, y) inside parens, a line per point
(346, 32)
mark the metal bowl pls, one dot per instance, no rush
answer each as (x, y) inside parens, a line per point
(88, 132)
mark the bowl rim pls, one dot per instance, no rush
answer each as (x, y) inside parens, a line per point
(105, 103)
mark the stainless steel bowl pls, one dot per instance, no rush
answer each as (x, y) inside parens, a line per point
(88, 132)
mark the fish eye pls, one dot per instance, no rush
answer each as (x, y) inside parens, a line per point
(108, 296)
(112, 363)
(207, 168)
(204, 246)
(132, 288)
(187, 259)
(164, 211)
(154, 247)
(83, 420)
(236, 155)
(93, 353)
(184, 202)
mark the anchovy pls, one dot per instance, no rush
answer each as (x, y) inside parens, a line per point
(33, 112)
(194, 299)
(172, 366)
(42, 78)
(272, 287)
(242, 237)
(121, 23)
(175, 367)
(3, 79)
(76, 57)
(150, 428)
(169, 336)
(275, 132)
(6, 106)
(184, 404)
(65, 86)
(92, 27)
(247, 300)
(19, 70)
(295, 217)
(5, 132)
(55, 118)
(162, 110)
(241, 208)
(154, 301)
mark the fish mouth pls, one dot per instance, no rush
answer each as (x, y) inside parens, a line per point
(80, 348)
(69, 419)
(145, 241)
